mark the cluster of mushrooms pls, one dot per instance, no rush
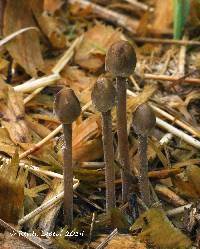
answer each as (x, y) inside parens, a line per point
(120, 62)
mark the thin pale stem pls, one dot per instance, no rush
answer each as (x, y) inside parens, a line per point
(108, 159)
(143, 176)
(68, 175)
(123, 137)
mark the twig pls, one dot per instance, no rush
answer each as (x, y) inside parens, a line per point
(46, 205)
(13, 35)
(166, 138)
(168, 195)
(170, 78)
(186, 127)
(32, 95)
(91, 229)
(47, 138)
(34, 84)
(182, 59)
(67, 56)
(166, 41)
(140, 5)
(38, 84)
(41, 143)
(33, 168)
(185, 137)
(19, 234)
(109, 15)
(110, 236)
(178, 210)
(89, 201)
(170, 117)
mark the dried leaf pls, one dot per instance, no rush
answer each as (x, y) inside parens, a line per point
(51, 26)
(12, 181)
(52, 6)
(25, 48)
(155, 227)
(193, 174)
(33, 192)
(163, 16)
(91, 53)
(12, 113)
(189, 185)
(77, 79)
(127, 241)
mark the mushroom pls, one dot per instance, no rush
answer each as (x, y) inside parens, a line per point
(120, 62)
(144, 121)
(103, 97)
(67, 109)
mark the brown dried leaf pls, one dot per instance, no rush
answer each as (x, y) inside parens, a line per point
(38, 128)
(52, 27)
(6, 145)
(185, 187)
(91, 53)
(12, 113)
(193, 174)
(25, 48)
(52, 5)
(87, 144)
(127, 241)
(77, 79)
(155, 227)
(163, 16)
(12, 181)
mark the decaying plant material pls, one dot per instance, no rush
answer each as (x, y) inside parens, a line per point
(128, 190)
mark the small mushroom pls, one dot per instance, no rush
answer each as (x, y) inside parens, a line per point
(144, 121)
(120, 62)
(103, 97)
(67, 109)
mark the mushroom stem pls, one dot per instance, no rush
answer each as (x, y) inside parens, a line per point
(143, 177)
(68, 175)
(123, 136)
(109, 159)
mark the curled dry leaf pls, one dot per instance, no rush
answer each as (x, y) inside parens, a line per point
(12, 113)
(25, 48)
(155, 227)
(51, 26)
(97, 40)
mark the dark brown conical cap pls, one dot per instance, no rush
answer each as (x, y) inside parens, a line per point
(66, 106)
(121, 59)
(103, 94)
(144, 120)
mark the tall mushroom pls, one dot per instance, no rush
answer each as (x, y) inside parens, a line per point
(67, 109)
(120, 62)
(143, 122)
(103, 97)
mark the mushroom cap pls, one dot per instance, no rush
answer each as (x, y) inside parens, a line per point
(103, 94)
(144, 120)
(121, 59)
(66, 106)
